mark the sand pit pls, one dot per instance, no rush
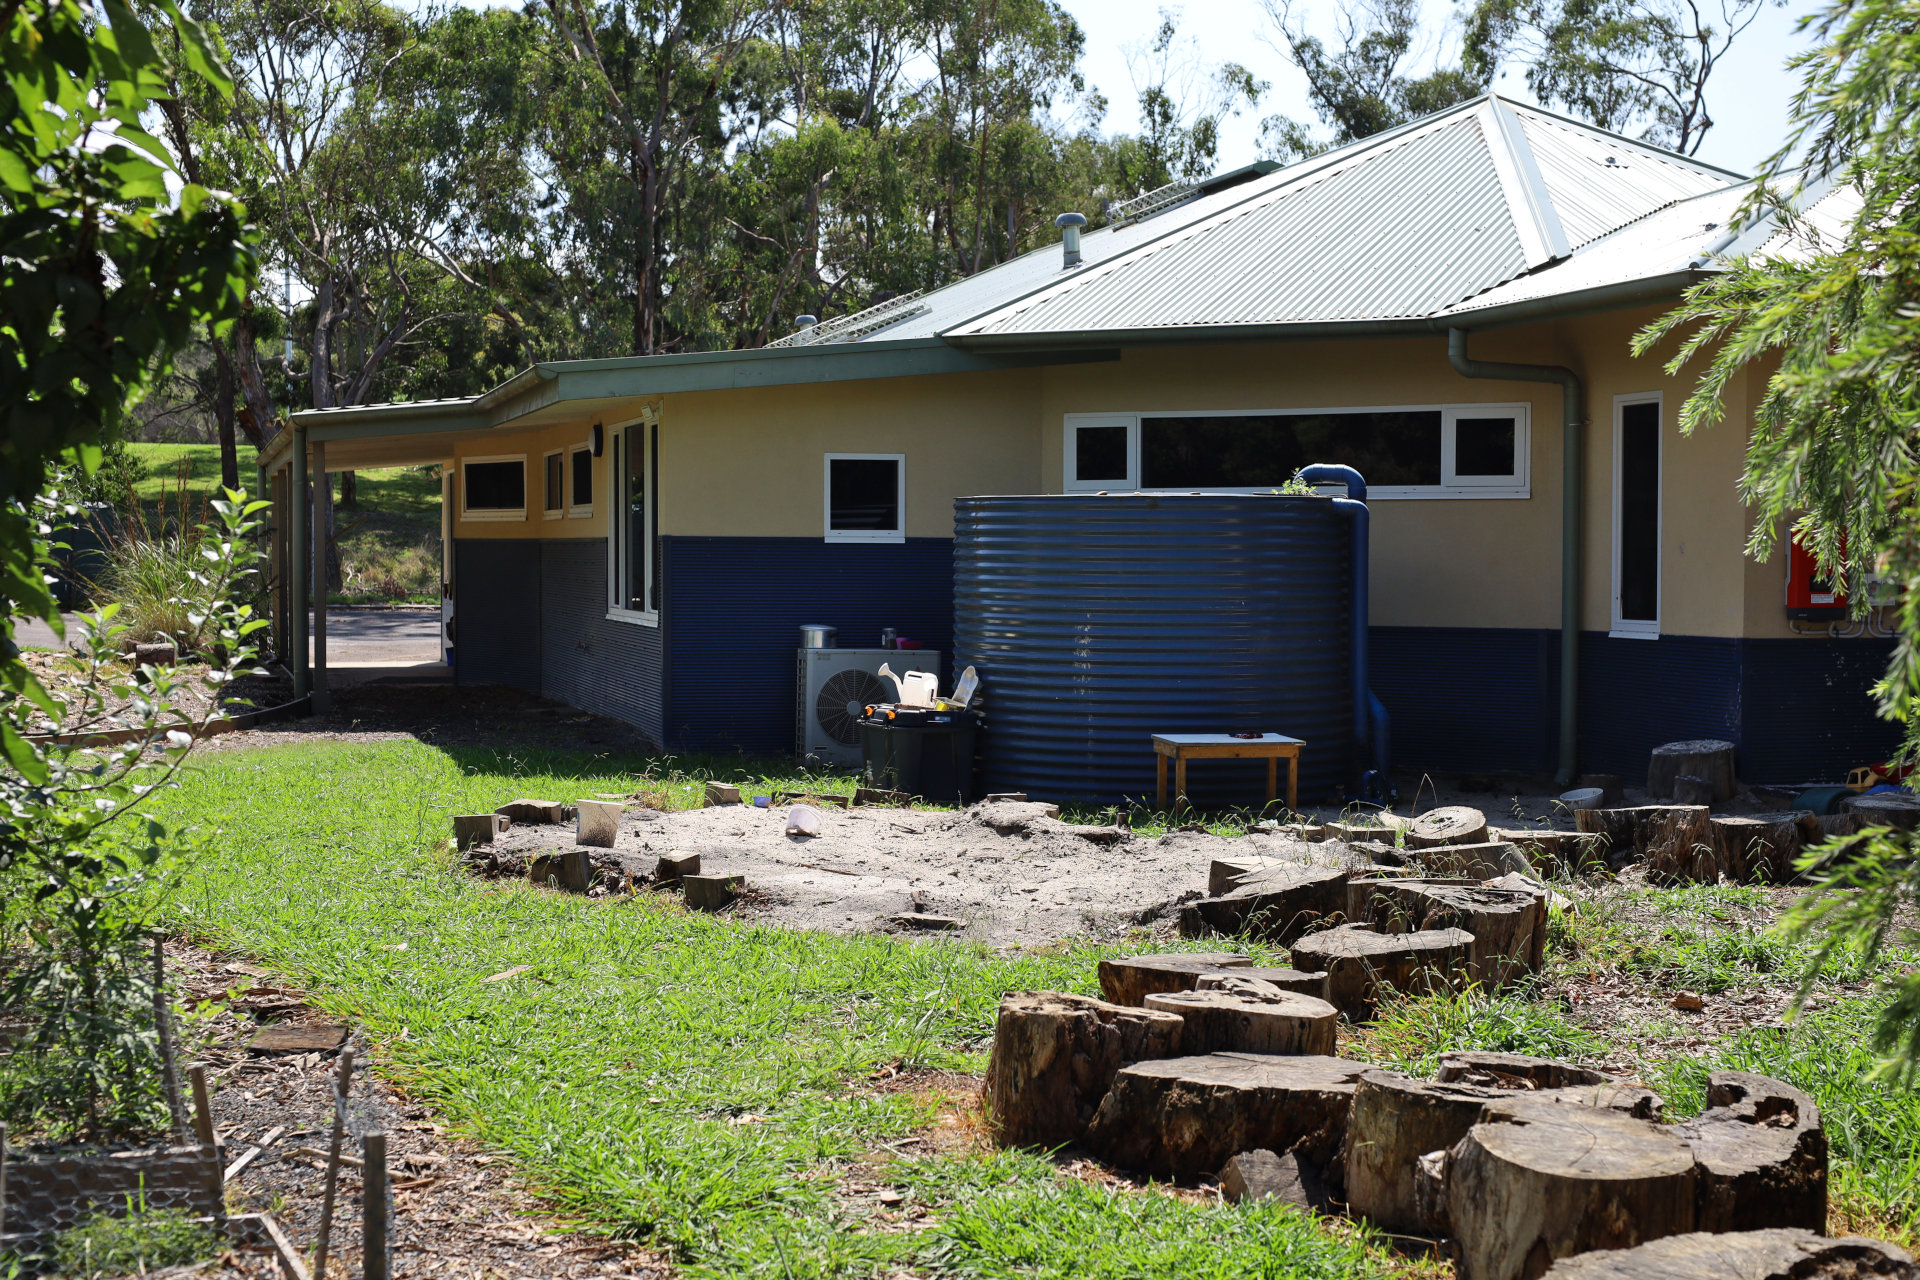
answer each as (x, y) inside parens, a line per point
(1010, 874)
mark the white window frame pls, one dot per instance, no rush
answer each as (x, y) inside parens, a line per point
(1639, 628)
(896, 534)
(546, 512)
(576, 511)
(617, 523)
(1519, 485)
(468, 516)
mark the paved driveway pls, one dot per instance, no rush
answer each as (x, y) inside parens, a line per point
(355, 637)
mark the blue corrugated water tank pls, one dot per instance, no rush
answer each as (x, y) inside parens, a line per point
(1097, 621)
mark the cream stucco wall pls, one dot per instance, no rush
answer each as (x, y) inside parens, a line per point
(536, 445)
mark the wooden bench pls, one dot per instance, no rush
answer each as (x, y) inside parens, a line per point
(1271, 747)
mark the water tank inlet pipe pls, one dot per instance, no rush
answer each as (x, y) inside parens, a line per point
(1370, 768)
(1573, 397)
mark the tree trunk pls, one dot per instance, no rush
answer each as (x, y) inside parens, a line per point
(253, 386)
(1054, 1056)
(349, 490)
(1706, 758)
(1227, 1021)
(1129, 980)
(1745, 1255)
(223, 392)
(1762, 1154)
(1360, 962)
(1276, 907)
(1259, 976)
(1395, 1120)
(1756, 850)
(1185, 1117)
(1509, 926)
(1453, 824)
(1535, 1182)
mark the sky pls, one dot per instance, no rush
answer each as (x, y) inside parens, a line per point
(1747, 96)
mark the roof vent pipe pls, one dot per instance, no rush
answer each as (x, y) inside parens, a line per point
(1070, 224)
(806, 322)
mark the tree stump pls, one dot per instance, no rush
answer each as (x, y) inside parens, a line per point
(1304, 984)
(711, 891)
(1678, 845)
(1774, 1254)
(1708, 759)
(1482, 860)
(1514, 1071)
(1185, 1117)
(1451, 824)
(1228, 1021)
(1662, 833)
(568, 869)
(1225, 874)
(470, 829)
(1359, 962)
(1360, 889)
(1535, 1182)
(1262, 1175)
(1129, 980)
(1395, 1120)
(1509, 926)
(1275, 907)
(533, 811)
(1570, 852)
(1688, 789)
(1054, 1056)
(1762, 1154)
(1885, 809)
(1756, 850)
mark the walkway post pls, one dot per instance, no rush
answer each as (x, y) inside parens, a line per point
(322, 696)
(297, 562)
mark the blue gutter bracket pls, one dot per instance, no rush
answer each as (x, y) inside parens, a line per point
(1369, 715)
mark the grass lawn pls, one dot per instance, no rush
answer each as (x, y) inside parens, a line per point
(717, 1088)
(389, 543)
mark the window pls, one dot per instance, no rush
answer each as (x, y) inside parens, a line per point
(1636, 516)
(866, 497)
(633, 580)
(1465, 451)
(556, 488)
(494, 488)
(580, 498)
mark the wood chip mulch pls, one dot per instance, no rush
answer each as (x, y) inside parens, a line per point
(459, 1211)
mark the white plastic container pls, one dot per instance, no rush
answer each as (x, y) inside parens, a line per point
(803, 820)
(1582, 798)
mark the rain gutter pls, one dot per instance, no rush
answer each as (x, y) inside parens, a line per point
(1573, 397)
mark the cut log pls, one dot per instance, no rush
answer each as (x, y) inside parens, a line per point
(1359, 963)
(1654, 833)
(1776, 1254)
(1305, 984)
(1708, 759)
(1886, 809)
(1480, 861)
(567, 869)
(674, 866)
(1534, 1182)
(1054, 1056)
(1514, 1071)
(1225, 874)
(1262, 1175)
(1567, 852)
(1275, 907)
(1245, 1022)
(1430, 1192)
(1129, 980)
(1759, 849)
(1688, 789)
(597, 822)
(1678, 843)
(1451, 824)
(711, 892)
(1509, 926)
(1360, 832)
(533, 811)
(1360, 889)
(1762, 1154)
(470, 829)
(1185, 1117)
(1626, 1099)
(1395, 1120)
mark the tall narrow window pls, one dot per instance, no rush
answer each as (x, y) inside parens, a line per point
(580, 502)
(1636, 517)
(556, 496)
(633, 586)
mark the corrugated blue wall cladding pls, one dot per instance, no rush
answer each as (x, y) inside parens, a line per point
(1636, 694)
(496, 592)
(1477, 700)
(1096, 622)
(1808, 711)
(588, 660)
(733, 609)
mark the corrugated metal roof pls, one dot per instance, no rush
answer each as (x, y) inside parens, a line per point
(1599, 182)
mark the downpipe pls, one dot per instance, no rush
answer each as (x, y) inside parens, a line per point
(1573, 397)
(1373, 779)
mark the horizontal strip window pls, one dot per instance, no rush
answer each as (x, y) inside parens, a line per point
(494, 488)
(1419, 451)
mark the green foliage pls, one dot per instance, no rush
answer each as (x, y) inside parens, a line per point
(115, 482)
(1413, 1031)
(1620, 64)
(1360, 90)
(142, 1240)
(1836, 313)
(82, 885)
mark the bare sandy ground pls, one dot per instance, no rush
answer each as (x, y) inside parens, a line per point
(1009, 873)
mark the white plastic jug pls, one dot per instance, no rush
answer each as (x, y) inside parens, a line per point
(915, 688)
(803, 820)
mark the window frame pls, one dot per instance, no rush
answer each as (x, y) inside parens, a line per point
(469, 515)
(648, 428)
(547, 512)
(1620, 628)
(895, 535)
(1452, 486)
(574, 510)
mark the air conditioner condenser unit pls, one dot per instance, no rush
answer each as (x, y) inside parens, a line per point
(835, 686)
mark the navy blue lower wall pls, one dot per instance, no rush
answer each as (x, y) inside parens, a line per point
(1807, 721)
(734, 608)
(1475, 700)
(496, 595)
